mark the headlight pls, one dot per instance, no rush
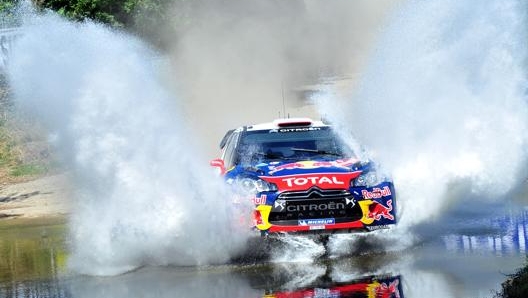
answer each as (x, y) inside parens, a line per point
(368, 179)
(254, 185)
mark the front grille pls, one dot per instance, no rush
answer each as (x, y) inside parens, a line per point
(314, 193)
(290, 207)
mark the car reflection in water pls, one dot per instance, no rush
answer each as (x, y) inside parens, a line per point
(287, 280)
(371, 287)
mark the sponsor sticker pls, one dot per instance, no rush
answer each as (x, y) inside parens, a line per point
(305, 181)
(296, 129)
(279, 203)
(317, 227)
(380, 227)
(378, 210)
(316, 207)
(259, 200)
(316, 222)
(312, 181)
(376, 193)
(311, 164)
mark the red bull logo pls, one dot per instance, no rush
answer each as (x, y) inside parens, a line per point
(388, 291)
(261, 200)
(311, 164)
(376, 193)
(378, 210)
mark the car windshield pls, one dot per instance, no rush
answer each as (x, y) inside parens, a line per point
(290, 144)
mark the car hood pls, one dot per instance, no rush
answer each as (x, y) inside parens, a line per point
(301, 175)
(285, 168)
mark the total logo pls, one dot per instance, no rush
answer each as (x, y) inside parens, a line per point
(306, 181)
(312, 180)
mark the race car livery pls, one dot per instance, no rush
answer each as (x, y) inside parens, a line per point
(301, 177)
(368, 287)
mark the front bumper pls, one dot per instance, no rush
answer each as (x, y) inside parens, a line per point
(355, 209)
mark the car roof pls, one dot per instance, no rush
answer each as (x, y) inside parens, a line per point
(285, 123)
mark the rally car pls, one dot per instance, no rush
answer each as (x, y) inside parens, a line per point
(302, 178)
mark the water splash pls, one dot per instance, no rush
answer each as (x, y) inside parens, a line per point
(442, 104)
(300, 249)
(143, 193)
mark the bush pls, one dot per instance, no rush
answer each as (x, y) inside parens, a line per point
(516, 286)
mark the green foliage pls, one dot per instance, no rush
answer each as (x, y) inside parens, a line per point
(7, 8)
(111, 12)
(7, 5)
(140, 16)
(153, 20)
(516, 286)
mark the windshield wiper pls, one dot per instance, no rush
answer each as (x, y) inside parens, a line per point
(316, 151)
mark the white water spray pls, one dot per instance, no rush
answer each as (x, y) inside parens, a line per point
(144, 195)
(442, 104)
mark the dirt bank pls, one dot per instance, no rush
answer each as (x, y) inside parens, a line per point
(49, 196)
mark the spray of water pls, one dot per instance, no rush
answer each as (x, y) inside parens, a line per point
(244, 62)
(442, 104)
(297, 249)
(143, 193)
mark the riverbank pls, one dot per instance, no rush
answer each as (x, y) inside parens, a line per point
(44, 197)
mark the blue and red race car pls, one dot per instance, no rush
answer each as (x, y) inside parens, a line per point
(302, 178)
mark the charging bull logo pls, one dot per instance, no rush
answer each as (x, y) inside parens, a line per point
(377, 210)
(311, 164)
(374, 211)
(388, 291)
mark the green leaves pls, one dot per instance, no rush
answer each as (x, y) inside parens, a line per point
(105, 11)
(143, 17)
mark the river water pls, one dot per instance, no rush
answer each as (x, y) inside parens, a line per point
(469, 255)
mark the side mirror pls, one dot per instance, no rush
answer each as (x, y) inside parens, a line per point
(218, 163)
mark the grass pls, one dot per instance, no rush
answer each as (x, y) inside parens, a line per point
(29, 170)
(24, 151)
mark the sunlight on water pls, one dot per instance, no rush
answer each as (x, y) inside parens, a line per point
(508, 237)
